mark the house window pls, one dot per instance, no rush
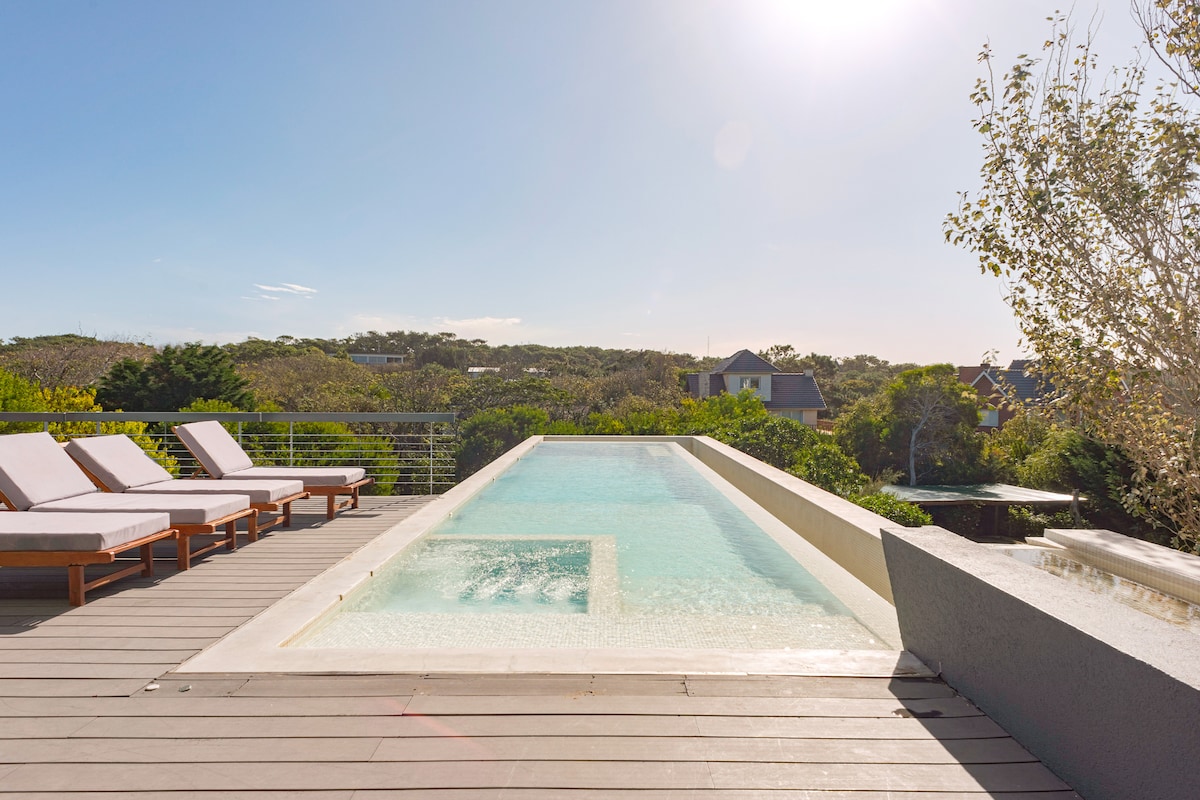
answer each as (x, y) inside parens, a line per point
(750, 383)
(991, 418)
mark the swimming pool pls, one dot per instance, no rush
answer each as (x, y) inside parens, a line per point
(586, 544)
(672, 570)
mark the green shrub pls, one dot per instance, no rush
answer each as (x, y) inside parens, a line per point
(885, 505)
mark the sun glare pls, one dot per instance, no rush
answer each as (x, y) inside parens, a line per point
(828, 27)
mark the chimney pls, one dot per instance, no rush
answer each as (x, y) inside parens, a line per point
(808, 373)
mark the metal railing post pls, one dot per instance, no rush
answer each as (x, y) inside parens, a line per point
(291, 444)
(431, 458)
(239, 432)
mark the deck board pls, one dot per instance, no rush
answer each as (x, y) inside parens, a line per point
(78, 722)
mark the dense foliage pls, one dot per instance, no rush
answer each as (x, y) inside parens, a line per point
(174, 378)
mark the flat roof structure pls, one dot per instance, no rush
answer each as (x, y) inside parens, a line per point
(984, 494)
(91, 706)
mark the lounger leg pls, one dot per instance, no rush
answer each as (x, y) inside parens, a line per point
(75, 587)
(231, 533)
(354, 498)
(330, 505)
(147, 560)
(287, 514)
(183, 546)
(252, 527)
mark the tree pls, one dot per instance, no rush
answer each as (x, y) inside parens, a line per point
(922, 424)
(1090, 213)
(931, 419)
(314, 381)
(67, 359)
(19, 395)
(488, 434)
(174, 378)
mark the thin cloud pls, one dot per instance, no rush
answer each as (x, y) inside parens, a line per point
(481, 322)
(286, 288)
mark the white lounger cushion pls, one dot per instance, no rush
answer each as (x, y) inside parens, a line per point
(256, 491)
(117, 462)
(184, 509)
(56, 532)
(122, 466)
(34, 470)
(222, 457)
(217, 451)
(311, 476)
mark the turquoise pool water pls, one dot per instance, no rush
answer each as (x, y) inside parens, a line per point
(596, 544)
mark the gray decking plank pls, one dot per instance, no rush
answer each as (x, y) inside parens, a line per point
(1032, 777)
(534, 794)
(790, 686)
(617, 747)
(293, 794)
(692, 794)
(483, 685)
(70, 687)
(110, 656)
(558, 725)
(185, 751)
(51, 669)
(161, 704)
(710, 706)
(32, 727)
(862, 728)
(370, 775)
(84, 631)
(395, 726)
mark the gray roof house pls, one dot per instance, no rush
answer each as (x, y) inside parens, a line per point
(1004, 389)
(794, 395)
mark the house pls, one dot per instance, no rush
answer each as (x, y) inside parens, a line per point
(1003, 390)
(376, 359)
(794, 395)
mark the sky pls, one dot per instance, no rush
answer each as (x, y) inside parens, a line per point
(692, 176)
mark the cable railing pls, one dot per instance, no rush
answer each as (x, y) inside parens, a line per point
(405, 453)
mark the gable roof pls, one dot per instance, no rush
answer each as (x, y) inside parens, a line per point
(744, 361)
(1016, 380)
(795, 390)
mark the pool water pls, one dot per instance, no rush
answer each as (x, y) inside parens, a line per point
(1130, 593)
(596, 544)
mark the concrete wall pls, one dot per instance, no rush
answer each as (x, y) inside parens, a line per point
(1106, 697)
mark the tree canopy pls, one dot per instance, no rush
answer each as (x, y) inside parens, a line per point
(173, 379)
(1089, 210)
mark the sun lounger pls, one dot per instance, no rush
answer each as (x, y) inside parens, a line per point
(37, 475)
(222, 457)
(117, 464)
(61, 539)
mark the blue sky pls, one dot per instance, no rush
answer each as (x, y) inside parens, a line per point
(686, 175)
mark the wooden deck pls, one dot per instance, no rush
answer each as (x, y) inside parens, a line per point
(77, 720)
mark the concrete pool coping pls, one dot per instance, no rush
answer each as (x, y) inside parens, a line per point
(261, 644)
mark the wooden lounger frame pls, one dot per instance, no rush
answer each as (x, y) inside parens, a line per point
(229, 523)
(184, 534)
(331, 493)
(282, 508)
(76, 560)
